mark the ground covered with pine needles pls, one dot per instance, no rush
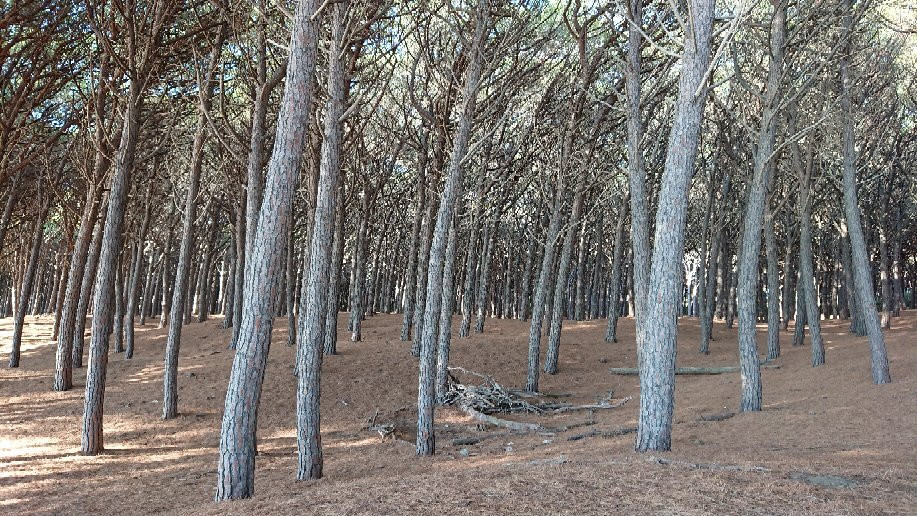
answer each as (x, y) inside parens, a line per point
(828, 440)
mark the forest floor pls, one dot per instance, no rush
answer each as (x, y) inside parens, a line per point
(828, 441)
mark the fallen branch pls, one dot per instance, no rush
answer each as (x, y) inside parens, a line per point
(723, 416)
(633, 371)
(595, 406)
(710, 467)
(599, 433)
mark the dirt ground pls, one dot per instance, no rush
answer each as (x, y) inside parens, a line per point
(828, 441)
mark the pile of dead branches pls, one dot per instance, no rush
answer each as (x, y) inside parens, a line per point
(487, 398)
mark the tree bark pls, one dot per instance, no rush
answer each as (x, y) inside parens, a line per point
(28, 279)
(451, 193)
(236, 466)
(92, 440)
(860, 261)
(657, 332)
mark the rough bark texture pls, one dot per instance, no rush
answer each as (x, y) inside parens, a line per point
(315, 292)
(451, 193)
(617, 264)
(860, 260)
(173, 340)
(63, 363)
(657, 332)
(542, 287)
(236, 465)
(756, 198)
(102, 311)
(28, 280)
(560, 287)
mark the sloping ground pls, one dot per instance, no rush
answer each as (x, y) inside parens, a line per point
(828, 441)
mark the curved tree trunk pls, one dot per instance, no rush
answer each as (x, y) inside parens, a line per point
(560, 287)
(657, 332)
(236, 463)
(92, 442)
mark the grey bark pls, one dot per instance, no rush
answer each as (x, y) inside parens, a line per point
(236, 463)
(657, 333)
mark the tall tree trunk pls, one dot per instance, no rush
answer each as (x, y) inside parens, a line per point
(560, 286)
(173, 339)
(773, 286)
(28, 278)
(451, 193)
(860, 262)
(445, 319)
(134, 285)
(92, 441)
(337, 260)
(756, 198)
(315, 292)
(407, 301)
(617, 264)
(543, 286)
(236, 465)
(657, 332)
(63, 363)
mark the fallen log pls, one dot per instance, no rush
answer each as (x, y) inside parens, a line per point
(633, 371)
(504, 423)
(604, 433)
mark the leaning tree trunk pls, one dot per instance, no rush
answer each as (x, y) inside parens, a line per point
(560, 287)
(756, 198)
(451, 193)
(236, 463)
(28, 279)
(860, 262)
(315, 292)
(92, 441)
(87, 287)
(657, 333)
(63, 368)
(617, 264)
(173, 340)
(543, 287)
